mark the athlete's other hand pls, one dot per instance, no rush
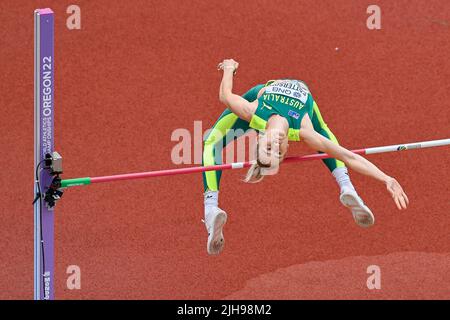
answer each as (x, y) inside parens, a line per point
(228, 64)
(397, 193)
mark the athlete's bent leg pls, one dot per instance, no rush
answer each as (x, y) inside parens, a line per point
(226, 129)
(336, 167)
(348, 195)
(216, 141)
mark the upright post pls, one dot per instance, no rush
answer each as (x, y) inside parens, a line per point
(43, 144)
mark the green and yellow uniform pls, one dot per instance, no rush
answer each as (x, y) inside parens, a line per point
(288, 98)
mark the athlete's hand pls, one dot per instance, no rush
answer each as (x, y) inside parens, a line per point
(397, 193)
(228, 64)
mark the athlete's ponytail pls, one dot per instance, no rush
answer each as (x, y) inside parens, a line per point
(259, 169)
(254, 174)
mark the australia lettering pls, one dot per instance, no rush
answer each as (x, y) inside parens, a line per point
(282, 99)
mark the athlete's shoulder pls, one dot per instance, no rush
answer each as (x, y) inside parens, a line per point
(252, 94)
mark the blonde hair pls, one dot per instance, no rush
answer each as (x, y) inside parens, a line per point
(258, 170)
(254, 174)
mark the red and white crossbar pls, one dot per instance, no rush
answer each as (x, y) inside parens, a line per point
(238, 165)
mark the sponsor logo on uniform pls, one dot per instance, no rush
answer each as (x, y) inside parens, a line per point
(267, 106)
(293, 114)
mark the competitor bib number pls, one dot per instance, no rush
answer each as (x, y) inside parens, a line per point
(290, 88)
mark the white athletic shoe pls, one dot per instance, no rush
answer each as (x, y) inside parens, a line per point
(361, 213)
(214, 221)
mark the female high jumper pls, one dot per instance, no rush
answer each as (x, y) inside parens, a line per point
(281, 111)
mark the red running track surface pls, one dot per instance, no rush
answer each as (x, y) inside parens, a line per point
(140, 69)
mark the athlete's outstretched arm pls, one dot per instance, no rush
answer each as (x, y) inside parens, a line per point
(353, 161)
(238, 105)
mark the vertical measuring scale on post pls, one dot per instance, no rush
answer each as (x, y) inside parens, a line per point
(43, 145)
